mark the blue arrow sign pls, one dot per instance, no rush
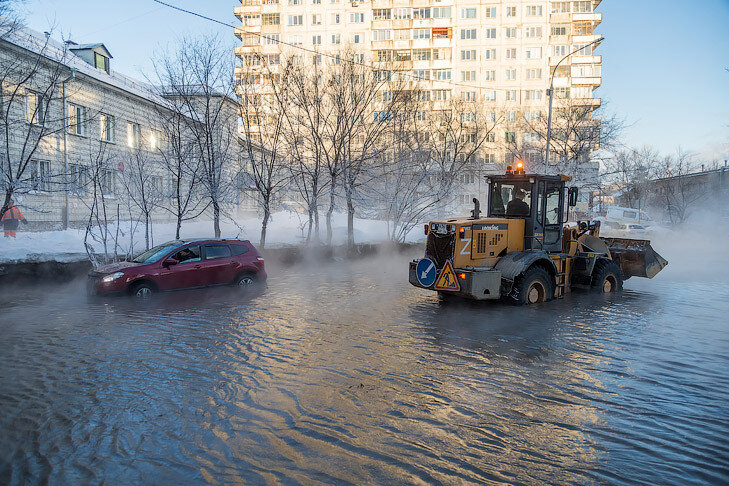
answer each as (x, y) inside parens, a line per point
(425, 271)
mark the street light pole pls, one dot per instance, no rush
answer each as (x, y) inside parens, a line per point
(550, 92)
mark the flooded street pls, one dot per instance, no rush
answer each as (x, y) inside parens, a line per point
(343, 373)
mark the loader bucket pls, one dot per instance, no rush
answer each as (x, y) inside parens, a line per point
(636, 258)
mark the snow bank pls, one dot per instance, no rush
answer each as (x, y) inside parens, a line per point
(285, 228)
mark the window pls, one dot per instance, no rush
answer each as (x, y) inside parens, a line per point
(316, 40)
(560, 51)
(468, 13)
(468, 75)
(296, 20)
(489, 75)
(560, 7)
(587, 70)
(533, 10)
(381, 14)
(336, 39)
(132, 135)
(533, 94)
(421, 13)
(442, 75)
(560, 29)
(40, 175)
(101, 62)
(270, 19)
(582, 50)
(582, 7)
(582, 92)
(106, 127)
(356, 18)
(442, 54)
(216, 251)
(490, 12)
(316, 2)
(295, 2)
(271, 39)
(76, 119)
(510, 32)
(35, 108)
(421, 116)
(561, 93)
(510, 74)
(421, 33)
(490, 33)
(442, 32)
(239, 249)
(489, 54)
(441, 95)
(531, 137)
(402, 34)
(316, 19)
(78, 178)
(335, 18)
(511, 11)
(511, 53)
(512, 95)
(469, 96)
(357, 38)
(532, 32)
(468, 34)
(489, 95)
(533, 53)
(468, 55)
(188, 255)
(441, 12)
(421, 55)
(155, 139)
(534, 74)
(490, 137)
(381, 35)
(582, 28)
(468, 117)
(489, 158)
(401, 13)
(510, 137)
(532, 115)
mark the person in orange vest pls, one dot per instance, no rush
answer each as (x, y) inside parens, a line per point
(11, 219)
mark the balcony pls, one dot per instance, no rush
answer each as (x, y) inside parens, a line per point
(254, 6)
(584, 39)
(586, 59)
(441, 64)
(563, 82)
(381, 44)
(595, 17)
(401, 44)
(381, 24)
(594, 102)
(589, 81)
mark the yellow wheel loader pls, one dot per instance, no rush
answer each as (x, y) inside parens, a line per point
(524, 251)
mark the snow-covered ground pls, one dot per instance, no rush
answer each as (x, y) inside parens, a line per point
(285, 228)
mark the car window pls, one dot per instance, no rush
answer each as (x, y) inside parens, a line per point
(189, 254)
(154, 254)
(216, 251)
(239, 249)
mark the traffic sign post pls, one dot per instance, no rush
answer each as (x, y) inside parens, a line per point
(425, 271)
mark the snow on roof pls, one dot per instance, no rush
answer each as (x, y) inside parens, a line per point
(83, 47)
(46, 46)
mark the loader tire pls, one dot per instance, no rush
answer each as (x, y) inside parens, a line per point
(532, 287)
(606, 277)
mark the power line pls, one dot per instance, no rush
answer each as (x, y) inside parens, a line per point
(313, 51)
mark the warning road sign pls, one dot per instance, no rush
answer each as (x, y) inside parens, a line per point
(447, 279)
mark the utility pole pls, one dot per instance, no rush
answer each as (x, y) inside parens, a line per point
(550, 92)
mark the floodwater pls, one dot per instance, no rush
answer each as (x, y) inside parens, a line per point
(343, 373)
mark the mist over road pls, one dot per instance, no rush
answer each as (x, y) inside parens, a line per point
(343, 373)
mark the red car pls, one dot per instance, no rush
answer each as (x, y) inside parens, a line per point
(181, 265)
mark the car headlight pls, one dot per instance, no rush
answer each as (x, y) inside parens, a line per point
(112, 277)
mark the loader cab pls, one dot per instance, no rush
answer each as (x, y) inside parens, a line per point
(543, 207)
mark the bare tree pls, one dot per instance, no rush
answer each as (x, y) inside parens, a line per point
(183, 166)
(30, 112)
(628, 173)
(97, 180)
(677, 191)
(144, 188)
(198, 82)
(265, 99)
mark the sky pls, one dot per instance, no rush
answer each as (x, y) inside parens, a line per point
(664, 61)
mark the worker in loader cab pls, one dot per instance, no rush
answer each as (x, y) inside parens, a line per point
(11, 219)
(517, 206)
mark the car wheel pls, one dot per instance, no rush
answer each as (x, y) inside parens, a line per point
(142, 291)
(606, 277)
(532, 287)
(246, 282)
